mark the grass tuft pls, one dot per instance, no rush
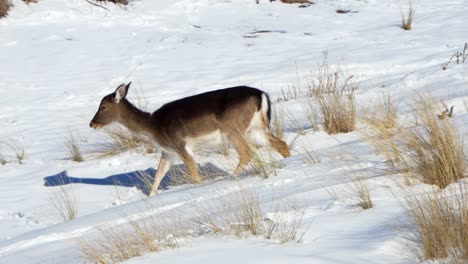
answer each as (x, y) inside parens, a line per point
(407, 20)
(359, 191)
(139, 237)
(435, 148)
(278, 121)
(441, 221)
(335, 94)
(65, 202)
(243, 215)
(17, 148)
(74, 150)
(458, 57)
(265, 166)
(430, 146)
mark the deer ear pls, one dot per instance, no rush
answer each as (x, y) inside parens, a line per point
(121, 91)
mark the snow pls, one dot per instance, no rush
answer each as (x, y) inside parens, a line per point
(59, 58)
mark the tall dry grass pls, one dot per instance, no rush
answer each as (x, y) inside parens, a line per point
(120, 139)
(286, 227)
(407, 19)
(138, 237)
(65, 203)
(383, 112)
(359, 192)
(434, 147)
(429, 147)
(441, 224)
(278, 121)
(311, 109)
(265, 165)
(243, 215)
(381, 119)
(74, 151)
(16, 147)
(335, 93)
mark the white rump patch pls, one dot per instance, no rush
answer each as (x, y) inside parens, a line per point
(256, 133)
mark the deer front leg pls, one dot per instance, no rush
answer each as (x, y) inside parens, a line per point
(164, 165)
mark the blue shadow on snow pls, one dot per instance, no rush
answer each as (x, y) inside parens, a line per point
(139, 179)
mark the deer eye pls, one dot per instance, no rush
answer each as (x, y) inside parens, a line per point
(103, 108)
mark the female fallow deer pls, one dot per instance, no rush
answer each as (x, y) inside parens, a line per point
(239, 114)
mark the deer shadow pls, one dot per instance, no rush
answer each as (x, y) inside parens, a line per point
(142, 180)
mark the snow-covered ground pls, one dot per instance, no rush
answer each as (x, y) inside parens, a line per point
(59, 58)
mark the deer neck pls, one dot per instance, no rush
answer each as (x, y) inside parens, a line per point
(134, 119)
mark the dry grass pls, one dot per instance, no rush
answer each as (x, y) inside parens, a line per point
(286, 227)
(434, 147)
(278, 121)
(121, 139)
(383, 112)
(359, 192)
(312, 112)
(239, 215)
(74, 150)
(117, 2)
(16, 147)
(441, 220)
(430, 147)
(310, 157)
(382, 123)
(447, 113)
(407, 19)
(458, 57)
(242, 215)
(265, 165)
(224, 149)
(384, 143)
(139, 237)
(65, 202)
(291, 93)
(4, 8)
(335, 94)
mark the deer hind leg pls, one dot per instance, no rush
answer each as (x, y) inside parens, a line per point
(244, 151)
(187, 157)
(279, 145)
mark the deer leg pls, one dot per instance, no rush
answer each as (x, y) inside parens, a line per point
(164, 165)
(279, 145)
(243, 150)
(190, 164)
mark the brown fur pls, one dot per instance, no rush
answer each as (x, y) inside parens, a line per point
(229, 111)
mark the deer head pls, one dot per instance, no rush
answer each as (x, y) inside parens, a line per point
(109, 108)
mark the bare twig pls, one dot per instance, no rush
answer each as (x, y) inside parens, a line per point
(94, 4)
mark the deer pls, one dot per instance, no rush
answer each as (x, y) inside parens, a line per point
(238, 115)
